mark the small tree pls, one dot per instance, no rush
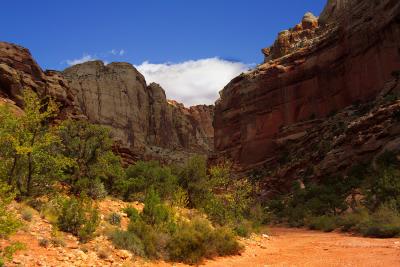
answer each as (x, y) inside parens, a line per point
(194, 179)
(30, 145)
(95, 168)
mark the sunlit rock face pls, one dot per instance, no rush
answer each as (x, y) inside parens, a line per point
(140, 117)
(19, 71)
(144, 124)
(321, 66)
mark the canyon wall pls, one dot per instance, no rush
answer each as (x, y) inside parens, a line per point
(350, 56)
(140, 117)
(143, 123)
(19, 71)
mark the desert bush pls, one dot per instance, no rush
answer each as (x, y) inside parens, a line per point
(27, 214)
(155, 212)
(351, 220)
(193, 178)
(103, 253)
(78, 217)
(8, 252)
(145, 175)
(323, 223)
(114, 218)
(44, 242)
(8, 222)
(94, 170)
(196, 240)
(384, 184)
(148, 236)
(383, 223)
(243, 229)
(129, 241)
(132, 213)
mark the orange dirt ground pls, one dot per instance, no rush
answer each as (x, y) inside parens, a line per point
(300, 247)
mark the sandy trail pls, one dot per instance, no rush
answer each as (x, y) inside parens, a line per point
(283, 247)
(299, 247)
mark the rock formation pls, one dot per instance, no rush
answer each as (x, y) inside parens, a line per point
(318, 68)
(143, 123)
(18, 71)
(141, 119)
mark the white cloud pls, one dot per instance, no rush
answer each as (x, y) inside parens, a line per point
(84, 58)
(117, 52)
(193, 82)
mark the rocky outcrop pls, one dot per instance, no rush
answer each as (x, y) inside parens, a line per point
(141, 119)
(143, 123)
(19, 71)
(350, 56)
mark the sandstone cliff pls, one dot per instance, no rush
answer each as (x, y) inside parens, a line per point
(18, 71)
(318, 68)
(143, 123)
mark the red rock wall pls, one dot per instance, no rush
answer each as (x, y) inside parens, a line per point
(348, 60)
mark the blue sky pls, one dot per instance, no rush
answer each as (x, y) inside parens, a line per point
(157, 31)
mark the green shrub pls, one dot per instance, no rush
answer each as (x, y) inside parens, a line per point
(242, 230)
(8, 222)
(154, 212)
(324, 223)
(10, 250)
(114, 218)
(94, 170)
(384, 223)
(350, 221)
(91, 188)
(193, 178)
(129, 241)
(193, 241)
(145, 175)
(148, 236)
(132, 213)
(79, 218)
(27, 214)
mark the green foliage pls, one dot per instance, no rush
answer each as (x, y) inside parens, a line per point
(149, 237)
(129, 241)
(114, 218)
(196, 240)
(223, 198)
(383, 223)
(8, 252)
(28, 146)
(27, 214)
(145, 175)
(94, 169)
(8, 222)
(193, 178)
(351, 221)
(324, 223)
(132, 213)
(384, 184)
(155, 212)
(78, 217)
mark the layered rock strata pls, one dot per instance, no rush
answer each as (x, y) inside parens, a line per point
(320, 67)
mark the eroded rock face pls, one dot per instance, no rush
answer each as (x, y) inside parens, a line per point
(140, 117)
(143, 123)
(19, 71)
(308, 74)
